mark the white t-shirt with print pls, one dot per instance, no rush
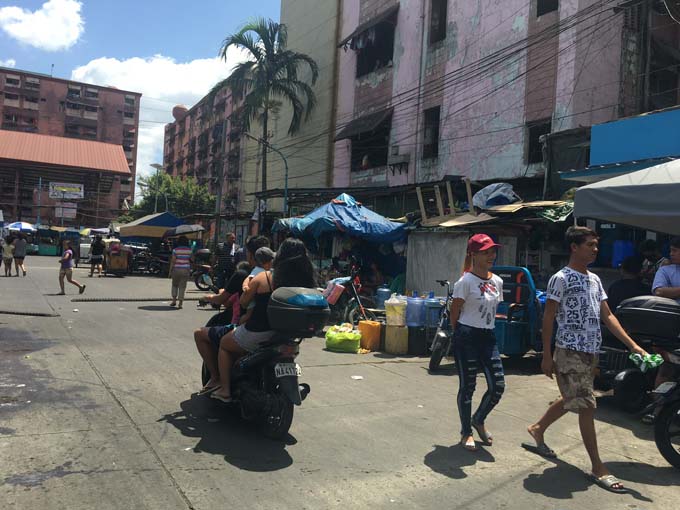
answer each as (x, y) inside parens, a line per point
(481, 300)
(578, 315)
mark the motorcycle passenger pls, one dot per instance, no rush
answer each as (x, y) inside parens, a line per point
(292, 268)
(225, 294)
(476, 296)
(208, 339)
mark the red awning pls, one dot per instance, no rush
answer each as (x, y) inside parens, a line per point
(60, 151)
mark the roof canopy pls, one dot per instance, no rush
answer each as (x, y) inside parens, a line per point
(383, 16)
(153, 225)
(645, 199)
(61, 151)
(346, 215)
(364, 124)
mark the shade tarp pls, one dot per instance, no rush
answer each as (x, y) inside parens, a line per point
(347, 216)
(153, 225)
(646, 199)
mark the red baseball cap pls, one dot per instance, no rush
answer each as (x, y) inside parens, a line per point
(480, 242)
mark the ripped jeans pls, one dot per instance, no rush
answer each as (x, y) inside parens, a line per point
(476, 349)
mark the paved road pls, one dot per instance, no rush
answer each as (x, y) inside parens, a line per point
(97, 411)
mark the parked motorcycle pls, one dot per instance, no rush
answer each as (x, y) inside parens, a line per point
(441, 344)
(264, 383)
(204, 278)
(655, 323)
(352, 306)
(144, 262)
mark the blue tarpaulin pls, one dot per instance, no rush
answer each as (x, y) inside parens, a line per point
(347, 216)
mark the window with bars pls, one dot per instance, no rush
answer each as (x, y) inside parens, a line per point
(438, 14)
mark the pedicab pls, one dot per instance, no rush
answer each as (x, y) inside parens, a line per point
(116, 258)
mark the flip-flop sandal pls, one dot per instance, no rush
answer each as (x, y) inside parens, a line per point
(607, 482)
(82, 289)
(540, 449)
(487, 438)
(468, 444)
(208, 389)
(220, 398)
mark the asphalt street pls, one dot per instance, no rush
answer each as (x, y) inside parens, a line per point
(98, 410)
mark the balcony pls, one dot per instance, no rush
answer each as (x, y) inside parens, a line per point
(88, 113)
(11, 100)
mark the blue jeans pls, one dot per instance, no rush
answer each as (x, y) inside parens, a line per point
(476, 349)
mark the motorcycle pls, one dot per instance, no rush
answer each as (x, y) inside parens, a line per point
(352, 306)
(667, 407)
(144, 262)
(264, 383)
(441, 344)
(204, 278)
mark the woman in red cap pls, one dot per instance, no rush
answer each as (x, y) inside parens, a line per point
(473, 313)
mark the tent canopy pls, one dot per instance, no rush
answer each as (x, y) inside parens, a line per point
(345, 215)
(645, 199)
(151, 226)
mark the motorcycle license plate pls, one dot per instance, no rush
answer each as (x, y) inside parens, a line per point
(665, 388)
(287, 369)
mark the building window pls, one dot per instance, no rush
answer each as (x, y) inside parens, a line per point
(11, 118)
(375, 48)
(370, 149)
(91, 94)
(431, 133)
(12, 97)
(129, 115)
(546, 6)
(534, 132)
(438, 20)
(73, 106)
(71, 130)
(12, 82)
(73, 92)
(91, 109)
(129, 101)
(30, 99)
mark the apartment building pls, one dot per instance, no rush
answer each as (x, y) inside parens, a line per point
(38, 103)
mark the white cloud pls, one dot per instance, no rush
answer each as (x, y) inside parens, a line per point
(10, 62)
(57, 25)
(163, 83)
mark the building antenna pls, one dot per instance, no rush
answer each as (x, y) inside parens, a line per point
(52, 71)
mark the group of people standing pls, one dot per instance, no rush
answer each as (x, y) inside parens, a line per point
(577, 303)
(14, 251)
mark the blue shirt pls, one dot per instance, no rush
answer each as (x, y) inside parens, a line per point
(667, 276)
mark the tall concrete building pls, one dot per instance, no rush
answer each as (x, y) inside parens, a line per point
(38, 103)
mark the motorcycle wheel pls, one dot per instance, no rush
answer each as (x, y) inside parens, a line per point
(353, 314)
(276, 423)
(667, 431)
(437, 354)
(203, 282)
(630, 394)
(154, 267)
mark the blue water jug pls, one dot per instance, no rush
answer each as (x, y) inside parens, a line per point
(415, 312)
(382, 295)
(433, 307)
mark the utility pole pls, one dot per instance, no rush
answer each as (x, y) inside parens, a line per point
(39, 199)
(220, 179)
(158, 168)
(285, 165)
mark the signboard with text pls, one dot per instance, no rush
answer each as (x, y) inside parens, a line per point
(66, 190)
(65, 210)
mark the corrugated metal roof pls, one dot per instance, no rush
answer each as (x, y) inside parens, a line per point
(57, 150)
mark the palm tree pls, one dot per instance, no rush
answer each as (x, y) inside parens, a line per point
(270, 76)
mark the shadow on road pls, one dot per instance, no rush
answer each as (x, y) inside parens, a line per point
(563, 480)
(450, 460)
(609, 412)
(220, 431)
(156, 308)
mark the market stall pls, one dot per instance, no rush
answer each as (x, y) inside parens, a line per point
(149, 229)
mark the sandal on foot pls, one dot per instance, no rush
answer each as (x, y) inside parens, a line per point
(607, 482)
(468, 443)
(485, 436)
(208, 389)
(224, 400)
(82, 289)
(540, 449)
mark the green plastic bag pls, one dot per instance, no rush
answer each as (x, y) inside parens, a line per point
(343, 339)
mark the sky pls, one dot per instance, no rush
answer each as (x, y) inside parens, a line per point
(165, 49)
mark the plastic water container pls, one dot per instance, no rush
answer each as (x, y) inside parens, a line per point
(396, 340)
(433, 308)
(621, 251)
(395, 311)
(370, 335)
(415, 312)
(382, 295)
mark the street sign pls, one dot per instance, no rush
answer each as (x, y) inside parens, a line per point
(65, 210)
(66, 190)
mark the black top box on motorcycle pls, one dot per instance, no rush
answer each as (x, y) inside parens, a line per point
(298, 310)
(202, 255)
(651, 318)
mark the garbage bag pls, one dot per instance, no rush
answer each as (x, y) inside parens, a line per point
(343, 338)
(500, 193)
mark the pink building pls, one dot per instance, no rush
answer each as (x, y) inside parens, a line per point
(434, 88)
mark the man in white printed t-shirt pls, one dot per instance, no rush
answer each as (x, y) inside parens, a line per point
(577, 302)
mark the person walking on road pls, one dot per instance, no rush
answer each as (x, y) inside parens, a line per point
(7, 255)
(20, 253)
(473, 313)
(97, 256)
(180, 267)
(577, 301)
(66, 270)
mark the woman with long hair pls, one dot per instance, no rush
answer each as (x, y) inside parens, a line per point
(292, 268)
(476, 296)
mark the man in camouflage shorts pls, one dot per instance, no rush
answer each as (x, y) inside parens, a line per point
(577, 302)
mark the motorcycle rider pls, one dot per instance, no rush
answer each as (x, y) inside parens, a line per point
(292, 268)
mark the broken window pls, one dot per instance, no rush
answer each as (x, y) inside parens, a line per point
(370, 149)
(534, 132)
(375, 48)
(431, 133)
(546, 6)
(438, 14)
